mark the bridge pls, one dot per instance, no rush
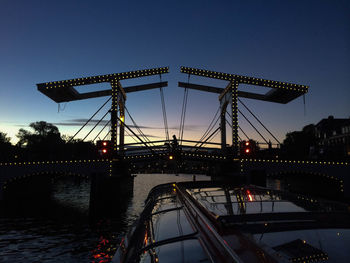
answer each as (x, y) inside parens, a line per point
(177, 154)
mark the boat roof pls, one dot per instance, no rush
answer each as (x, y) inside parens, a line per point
(213, 222)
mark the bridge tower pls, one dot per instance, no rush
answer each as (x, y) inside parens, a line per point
(280, 92)
(64, 91)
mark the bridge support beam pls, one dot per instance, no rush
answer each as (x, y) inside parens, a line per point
(114, 118)
(234, 97)
(230, 96)
(223, 128)
(117, 165)
(121, 126)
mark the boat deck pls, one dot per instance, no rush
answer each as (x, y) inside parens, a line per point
(211, 222)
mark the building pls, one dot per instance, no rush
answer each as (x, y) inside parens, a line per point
(333, 139)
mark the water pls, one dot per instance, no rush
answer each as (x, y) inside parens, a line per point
(59, 230)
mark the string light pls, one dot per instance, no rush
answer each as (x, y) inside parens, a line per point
(245, 79)
(102, 78)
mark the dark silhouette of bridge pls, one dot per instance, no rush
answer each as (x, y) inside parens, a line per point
(177, 154)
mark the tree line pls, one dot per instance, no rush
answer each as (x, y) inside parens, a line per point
(44, 142)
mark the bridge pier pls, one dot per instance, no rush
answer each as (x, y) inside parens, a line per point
(109, 196)
(111, 192)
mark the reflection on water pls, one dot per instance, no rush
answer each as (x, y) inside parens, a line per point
(143, 183)
(276, 184)
(61, 233)
(70, 191)
(43, 240)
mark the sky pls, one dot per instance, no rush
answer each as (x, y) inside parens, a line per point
(302, 42)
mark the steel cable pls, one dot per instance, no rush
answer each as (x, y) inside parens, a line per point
(95, 125)
(164, 111)
(259, 121)
(89, 119)
(108, 122)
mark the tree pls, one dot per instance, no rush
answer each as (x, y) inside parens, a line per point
(24, 137)
(4, 139)
(6, 148)
(43, 133)
(44, 142)
(44, 129)
(297, 144)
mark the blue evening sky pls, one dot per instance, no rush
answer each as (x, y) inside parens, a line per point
(303, 42)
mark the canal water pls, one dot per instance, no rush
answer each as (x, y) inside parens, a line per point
(57, 229)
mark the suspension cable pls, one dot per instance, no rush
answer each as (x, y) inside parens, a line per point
(209, 140)
(96, 125)
(184, 106)
(251, 124)
(259, 121)
(127, 133)
(183, 113)
(138, 128)
(211, 135)
(89, 119)
(101, 130)
(239, 127)
(212, 127)
(106, 135)
(164, 111)
(209, 127)
(127, 126)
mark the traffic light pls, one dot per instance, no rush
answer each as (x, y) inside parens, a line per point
(104, 148)
(247, 148)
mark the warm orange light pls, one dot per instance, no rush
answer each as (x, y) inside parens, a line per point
(104, 143)
(171, 157)
(249, 196)
(145, 240)
(247, 150)
(104, 150)
(247, 143)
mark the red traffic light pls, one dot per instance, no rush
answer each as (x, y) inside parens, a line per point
(104, 148)
(247, 148)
